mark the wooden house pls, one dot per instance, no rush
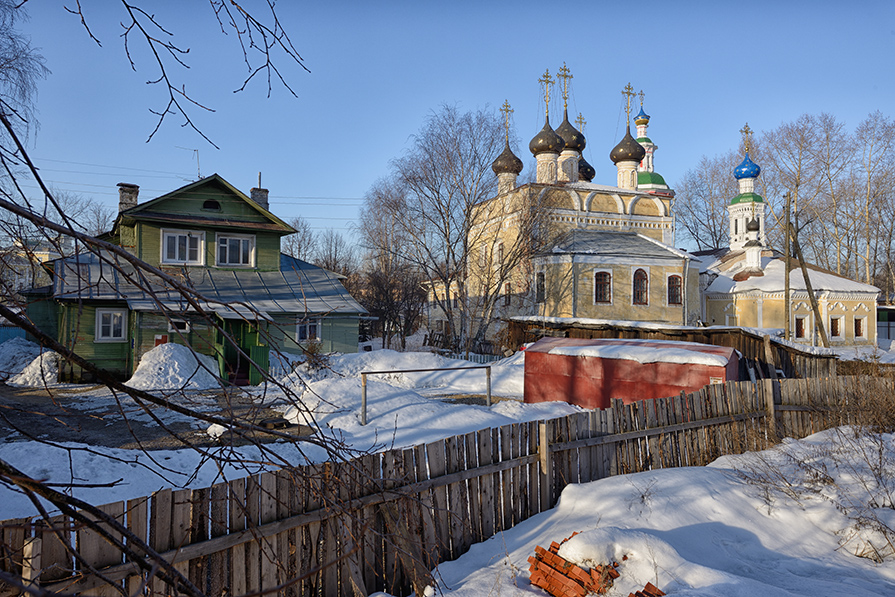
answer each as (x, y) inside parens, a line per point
(224, 247)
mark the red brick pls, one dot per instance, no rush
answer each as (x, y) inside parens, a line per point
(652, 590)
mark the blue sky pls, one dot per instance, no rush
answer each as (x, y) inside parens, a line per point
(378, 68)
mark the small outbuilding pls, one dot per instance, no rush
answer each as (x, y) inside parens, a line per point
(590, 373)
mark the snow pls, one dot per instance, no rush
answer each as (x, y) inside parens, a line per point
(173, 366)
(774, 280)
(642, 354)
(15, 355)
(786, 521)
(719, 530)
(42, 371)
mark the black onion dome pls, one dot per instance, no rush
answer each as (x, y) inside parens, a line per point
(507, 162)
(586, 172)
(627, 150)
(547, 141)
(753, 225)
(572, 137)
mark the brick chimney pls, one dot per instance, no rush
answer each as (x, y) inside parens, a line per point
(127, 195)
(259, 196)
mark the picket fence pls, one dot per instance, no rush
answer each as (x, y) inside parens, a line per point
(382, 521)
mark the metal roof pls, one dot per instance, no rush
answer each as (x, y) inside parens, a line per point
(613, 244)
(298, 287)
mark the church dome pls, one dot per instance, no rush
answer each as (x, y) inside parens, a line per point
(586, 172)
(627, 149)
(747, 169)
(753, 225)
(507, 162)
(572, 137)
(642, 117)
(547, 141)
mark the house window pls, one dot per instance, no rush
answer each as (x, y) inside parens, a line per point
(540, 288)
(236, 250)
(308, 330)
(836, 327)
(211, 205)
(860, 327)
(111, 325)
(602, 287)
(179, 325)
(185, 247)
(641, 288)
(500, 254)
(507, 294)
(802, 326)
(675, 296)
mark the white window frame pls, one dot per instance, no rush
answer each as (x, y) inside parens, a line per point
(593, 277)
(198, 234)
(841, 334)
(806, 327)
(649, 283)
(668, 288)
(98, 332)
(306, 325)
(172, 326)
(241, 237)
(863, 322)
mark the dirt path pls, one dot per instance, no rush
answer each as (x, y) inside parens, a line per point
(59, 415)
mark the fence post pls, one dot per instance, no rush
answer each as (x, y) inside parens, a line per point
(363, 399)
(488, 376)
(546, 467)
(31, 566)
(768, 387)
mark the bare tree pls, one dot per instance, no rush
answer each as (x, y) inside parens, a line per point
(702, 199)
(303, 244)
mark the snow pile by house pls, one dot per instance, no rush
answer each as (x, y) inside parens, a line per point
(15, 355)
(42, 371)
(173, 366)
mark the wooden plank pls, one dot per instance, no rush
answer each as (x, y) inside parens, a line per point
(199, 531)
(437, 466)
(506, 479)
(137, 524)
(310, 535)
(533, 469)
(486, 483)
(458, 498)
(520, 448)
(427, 518)
(392, 462)
(237, 516)
(268, 513)
(55, 560)
(370, 564)
(160, 531)
(253, 548)
(97, 552)
(572, 459)
(471, 447)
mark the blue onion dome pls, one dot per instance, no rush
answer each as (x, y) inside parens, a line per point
(642, 117)
(586, 172)
(747, 169)
(507, 162)
(627, 149)
(753, 225)
(572, 137)
(547, 141)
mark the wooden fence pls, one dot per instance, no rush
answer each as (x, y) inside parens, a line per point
(380, 522)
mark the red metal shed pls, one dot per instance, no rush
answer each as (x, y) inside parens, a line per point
(591, 373)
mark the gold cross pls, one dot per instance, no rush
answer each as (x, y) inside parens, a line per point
(747, 136)
(628, 93)
(506, 115)
(580, 121)
(547, 81)
(565, 75)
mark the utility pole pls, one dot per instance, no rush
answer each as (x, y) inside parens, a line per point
(787, 307)
(818, 322)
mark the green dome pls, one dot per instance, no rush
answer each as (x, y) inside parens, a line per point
(644, 140)
(747, 198)
(644, 178)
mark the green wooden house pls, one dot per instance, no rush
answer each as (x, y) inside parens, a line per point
(223, 246)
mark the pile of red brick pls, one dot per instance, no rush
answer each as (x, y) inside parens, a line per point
(561, 578)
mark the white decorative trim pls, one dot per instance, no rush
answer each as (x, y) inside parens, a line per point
(861, 306)
(838, 306)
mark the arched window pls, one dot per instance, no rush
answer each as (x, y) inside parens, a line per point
(641, 288)
(212, 205)
(602, 287)
(675, 297)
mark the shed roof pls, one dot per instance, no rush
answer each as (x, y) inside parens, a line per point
(642, 351)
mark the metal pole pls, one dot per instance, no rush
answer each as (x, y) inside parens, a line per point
(363, 399)
(488, 376)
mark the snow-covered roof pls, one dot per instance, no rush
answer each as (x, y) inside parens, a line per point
(608, 243)
(298, 287)
(642, 351)
(774, 280)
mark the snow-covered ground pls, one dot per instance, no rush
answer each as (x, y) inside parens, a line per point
(786, 521)
(782, 522)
